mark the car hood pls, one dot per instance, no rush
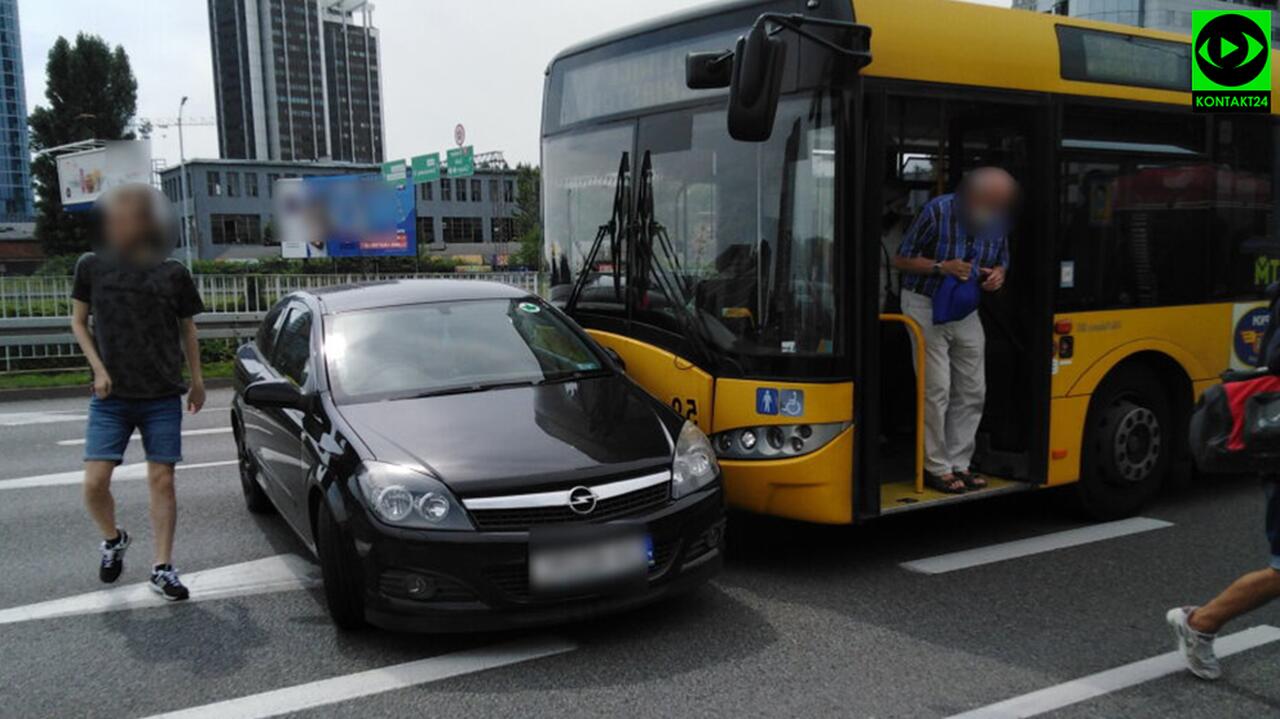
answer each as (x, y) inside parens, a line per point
(521, 439)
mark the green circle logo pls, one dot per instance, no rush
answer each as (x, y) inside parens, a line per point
(1231, 50)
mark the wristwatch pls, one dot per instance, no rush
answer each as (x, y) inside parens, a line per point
(937, 268)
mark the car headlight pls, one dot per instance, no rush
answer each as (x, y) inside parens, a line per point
(405, 497)
(694, 465)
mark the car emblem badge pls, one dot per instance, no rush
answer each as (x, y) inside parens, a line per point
(582, 500)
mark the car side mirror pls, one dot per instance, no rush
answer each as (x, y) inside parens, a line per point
(275, 394)
(755, 85)
(617, 358)
(708, 70)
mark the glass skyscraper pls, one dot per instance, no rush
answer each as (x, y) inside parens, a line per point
(15, 158)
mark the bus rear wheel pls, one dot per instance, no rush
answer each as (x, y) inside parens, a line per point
(1127, 447)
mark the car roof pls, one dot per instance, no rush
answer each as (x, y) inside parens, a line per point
(385, 293)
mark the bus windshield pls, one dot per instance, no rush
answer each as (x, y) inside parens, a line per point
(740, 237)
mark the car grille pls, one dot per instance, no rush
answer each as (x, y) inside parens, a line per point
(624, 505)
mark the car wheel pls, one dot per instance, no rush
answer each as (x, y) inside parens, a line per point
(343, 589)
(1128, 445)
(254, 497)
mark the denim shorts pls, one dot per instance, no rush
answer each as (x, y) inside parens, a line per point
(1273, 522)
(113, 420)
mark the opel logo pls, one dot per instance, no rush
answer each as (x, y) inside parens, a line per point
(582, 500)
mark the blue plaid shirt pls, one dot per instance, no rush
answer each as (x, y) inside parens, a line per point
(938, 233)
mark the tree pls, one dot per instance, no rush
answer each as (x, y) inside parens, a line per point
(528, 216)
(92, 94)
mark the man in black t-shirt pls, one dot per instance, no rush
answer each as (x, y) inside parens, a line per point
(143, 306)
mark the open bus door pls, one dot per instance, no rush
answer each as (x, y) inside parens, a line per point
(920, 146)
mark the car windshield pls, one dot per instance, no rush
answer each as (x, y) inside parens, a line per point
(451, 347)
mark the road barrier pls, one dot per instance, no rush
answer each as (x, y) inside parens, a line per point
(35, 312)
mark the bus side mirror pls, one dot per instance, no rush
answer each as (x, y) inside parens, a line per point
(708, 70)
(755, 84)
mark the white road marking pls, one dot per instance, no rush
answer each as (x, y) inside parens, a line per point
(281, 573)
(1034, 545)
(123, 473)
(18, 419)
(376, 681)
(135, 437)
(1096, 685)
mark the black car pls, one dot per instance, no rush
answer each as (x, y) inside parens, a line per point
(460, 455)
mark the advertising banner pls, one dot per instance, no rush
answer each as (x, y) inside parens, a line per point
(346, 216)
(83, 176)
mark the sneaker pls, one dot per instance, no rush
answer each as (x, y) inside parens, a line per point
(113, 556)
(1196, 647)
(165, 582)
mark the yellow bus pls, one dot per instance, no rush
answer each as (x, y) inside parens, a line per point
(722, 191)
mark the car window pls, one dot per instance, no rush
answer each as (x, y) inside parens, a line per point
(270, 328)
(413, 350)
(293, 346)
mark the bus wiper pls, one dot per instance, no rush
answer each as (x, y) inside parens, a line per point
(649, 234)
(614, 229)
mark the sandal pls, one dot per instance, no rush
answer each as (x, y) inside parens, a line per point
(953, 486)
(972, 481)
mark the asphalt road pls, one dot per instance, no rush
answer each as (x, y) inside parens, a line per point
(805, 620)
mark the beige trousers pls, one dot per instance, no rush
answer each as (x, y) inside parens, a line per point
(955, 384)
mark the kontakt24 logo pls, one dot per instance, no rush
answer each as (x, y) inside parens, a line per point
(1231, 60)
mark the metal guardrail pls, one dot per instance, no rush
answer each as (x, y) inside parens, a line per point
(35, 312)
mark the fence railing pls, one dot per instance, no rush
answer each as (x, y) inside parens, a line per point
(30, 297)
(35, 311)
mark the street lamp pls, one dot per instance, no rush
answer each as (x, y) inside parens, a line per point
(184, 184)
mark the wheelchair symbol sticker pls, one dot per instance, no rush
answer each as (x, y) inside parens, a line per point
(792, 403)
(766, 400)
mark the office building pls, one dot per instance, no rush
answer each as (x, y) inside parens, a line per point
(297, 80)
(15, 157)
(229, 209)
(1167, 15)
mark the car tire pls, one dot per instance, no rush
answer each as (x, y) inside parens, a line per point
(343, 589)
(1128, 445)
(255, 499)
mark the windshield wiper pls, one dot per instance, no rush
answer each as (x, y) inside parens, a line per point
(649, 234)
(613, 229)
(472, 387)
(577, 375)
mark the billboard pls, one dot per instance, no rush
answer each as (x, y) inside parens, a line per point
(345, 216)
(83, 176)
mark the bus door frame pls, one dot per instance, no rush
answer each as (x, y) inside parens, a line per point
(869, 128)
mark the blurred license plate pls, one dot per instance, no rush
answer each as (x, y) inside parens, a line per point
(587, 559)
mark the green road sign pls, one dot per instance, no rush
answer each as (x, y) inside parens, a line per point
(461, 162)
(425, 168)
(394, 171)
(1231, 61)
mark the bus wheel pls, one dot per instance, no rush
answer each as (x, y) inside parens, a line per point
(1127, 445)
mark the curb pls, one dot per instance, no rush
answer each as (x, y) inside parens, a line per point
(37, 393)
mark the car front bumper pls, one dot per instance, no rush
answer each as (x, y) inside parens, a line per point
(479, 580)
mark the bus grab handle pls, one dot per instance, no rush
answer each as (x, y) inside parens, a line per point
(914, 328)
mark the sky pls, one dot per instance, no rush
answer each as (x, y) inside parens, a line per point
(474, 62)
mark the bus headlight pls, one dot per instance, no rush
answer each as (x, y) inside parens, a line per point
(781, 441)
(404, 497)
(694, 465)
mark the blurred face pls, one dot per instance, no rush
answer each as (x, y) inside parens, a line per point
(990, 199)
(129, 225)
